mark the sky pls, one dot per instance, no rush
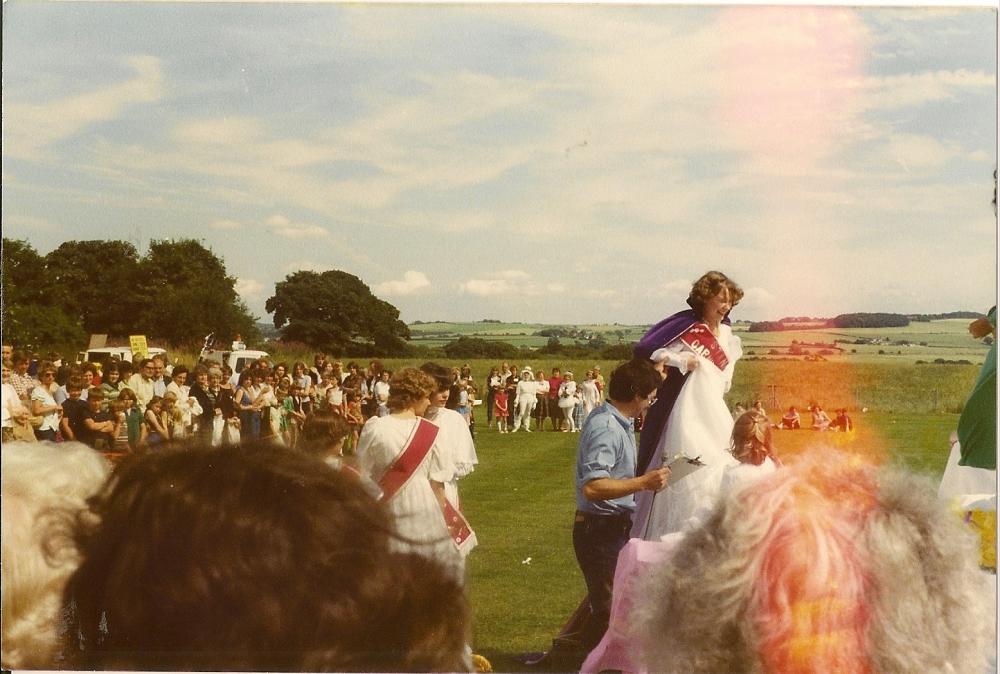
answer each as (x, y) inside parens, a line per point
(539, 163)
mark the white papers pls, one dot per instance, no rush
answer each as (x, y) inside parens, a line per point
(682, 466)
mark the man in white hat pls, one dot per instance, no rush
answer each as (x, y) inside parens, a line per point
(525, 399)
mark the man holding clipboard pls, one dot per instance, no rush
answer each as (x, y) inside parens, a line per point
(606, 485)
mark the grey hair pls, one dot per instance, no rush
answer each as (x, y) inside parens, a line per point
(44, 487)
(913, 571)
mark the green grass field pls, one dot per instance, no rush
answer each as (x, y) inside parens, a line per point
(520, 501)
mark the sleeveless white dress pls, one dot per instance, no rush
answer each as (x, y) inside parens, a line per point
(700, 425)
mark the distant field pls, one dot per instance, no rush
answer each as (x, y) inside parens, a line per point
(948, 339)
(518, 334)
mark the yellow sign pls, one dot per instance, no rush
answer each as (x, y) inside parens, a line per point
(139, 347)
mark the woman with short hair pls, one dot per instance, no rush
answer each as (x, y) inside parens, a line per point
(424, 468)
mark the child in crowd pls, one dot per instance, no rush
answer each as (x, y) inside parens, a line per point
(74, 410)
(333, 399)
(299, 405)
(101, 428)
(464, 404)
(501, 409)
(156, 434)
(284, 412)
(136, 430)
(355, 417)
(171, 418)
(120, 444)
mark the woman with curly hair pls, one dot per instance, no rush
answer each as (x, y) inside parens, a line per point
(698, 351)
(399, 451)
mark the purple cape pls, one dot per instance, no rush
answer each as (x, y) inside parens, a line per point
(657, 337)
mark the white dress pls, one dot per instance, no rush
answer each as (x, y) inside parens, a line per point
(414, 508)
(699, 425)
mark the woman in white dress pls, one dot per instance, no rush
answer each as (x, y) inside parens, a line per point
(567, 401)
(417, 506)
(590, 394)
(699, 424)
(526, 400)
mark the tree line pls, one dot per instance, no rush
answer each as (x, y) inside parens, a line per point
(177, 292)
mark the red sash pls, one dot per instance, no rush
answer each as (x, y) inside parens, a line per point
(700, 339)
(403, 468)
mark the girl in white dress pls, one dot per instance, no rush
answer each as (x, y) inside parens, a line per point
(416, 507)
(700, 424)
(567, 401)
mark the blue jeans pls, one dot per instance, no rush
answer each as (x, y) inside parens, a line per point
(597, 540)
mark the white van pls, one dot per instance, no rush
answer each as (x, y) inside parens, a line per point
(104, 354)
(236, 360)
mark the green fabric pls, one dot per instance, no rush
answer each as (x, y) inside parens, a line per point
(977, 427)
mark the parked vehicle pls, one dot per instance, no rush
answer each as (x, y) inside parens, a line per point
(236, 359)
(104, 354)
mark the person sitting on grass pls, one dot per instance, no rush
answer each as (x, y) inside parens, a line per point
(253, 558)
(842, 422)
(829, 565)
(791, 419)
(820, 419)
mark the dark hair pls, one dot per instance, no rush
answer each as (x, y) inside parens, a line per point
(74, 383)
(166, 581)
(634, 378)
(708, 286)
(321, 430)
(179, 370)
(441, 374)
(127, 394)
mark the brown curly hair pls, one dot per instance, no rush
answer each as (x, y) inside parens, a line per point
(711, 284)
(408, 386)
(252, 559)
(752, 441)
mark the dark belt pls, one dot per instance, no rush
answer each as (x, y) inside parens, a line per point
(581, 516)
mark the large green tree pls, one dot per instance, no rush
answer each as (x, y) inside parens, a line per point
(95, 283)
(334, 311)
(189, 294)
(32, 315)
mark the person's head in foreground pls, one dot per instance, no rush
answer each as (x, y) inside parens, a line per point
(253, 558)
(830, 565)
(323, 434)
(752, 441)
(44, 486)
(411, 389)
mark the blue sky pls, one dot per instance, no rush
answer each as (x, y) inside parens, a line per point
(552, 163)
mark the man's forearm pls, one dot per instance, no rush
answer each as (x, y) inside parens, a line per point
(606, 488)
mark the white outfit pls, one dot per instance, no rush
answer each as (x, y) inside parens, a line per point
(699, 425)
(414, 508)
(187, 405)
(11, 406)
(590, 396)
(567, 401)
(526, 400)
(50, 420)
(455, 440)
(965, 480)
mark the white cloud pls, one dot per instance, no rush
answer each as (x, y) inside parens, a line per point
(282, 226)
(28, 223)
(487, 287)
(225, 224)
(411, 282)
(914, 151)
(249, 288)
(29, 128)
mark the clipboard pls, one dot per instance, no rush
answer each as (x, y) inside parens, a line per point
(682, 466)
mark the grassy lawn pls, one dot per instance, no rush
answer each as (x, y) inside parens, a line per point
(520, 501)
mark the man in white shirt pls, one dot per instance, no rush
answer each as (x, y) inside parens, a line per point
(142, 383)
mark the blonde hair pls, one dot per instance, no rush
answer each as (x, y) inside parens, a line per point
(44, 487)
